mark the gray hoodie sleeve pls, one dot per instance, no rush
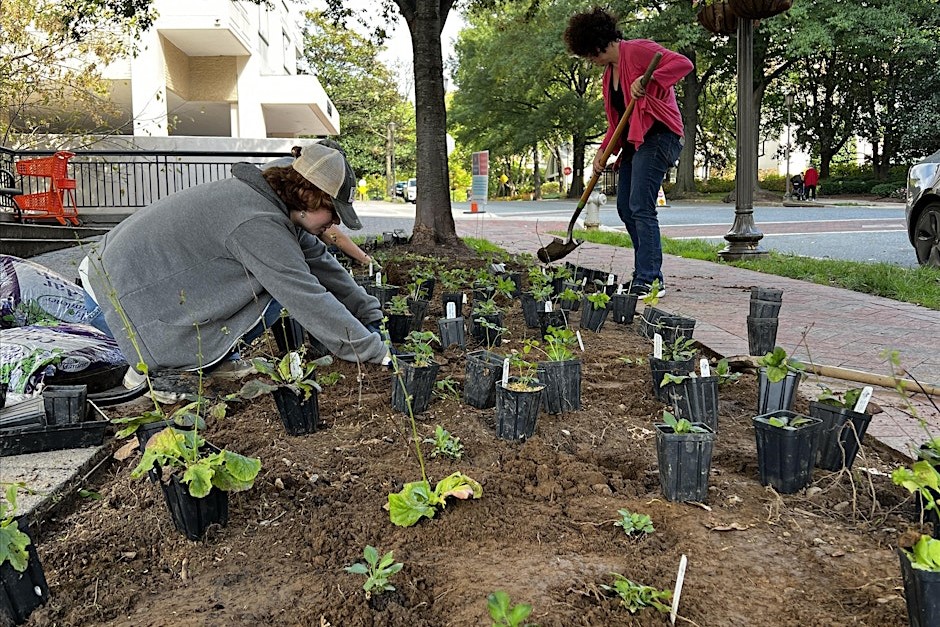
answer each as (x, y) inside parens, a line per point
(334, 278)
(270, 251)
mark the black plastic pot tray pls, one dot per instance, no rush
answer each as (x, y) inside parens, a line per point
(37, 439)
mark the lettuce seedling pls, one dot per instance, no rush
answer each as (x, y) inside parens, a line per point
(634, 596)
(634, 523)
(377, 571)
(445, 444)
(417, 500)
(504, 614)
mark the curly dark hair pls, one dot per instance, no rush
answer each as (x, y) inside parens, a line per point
(298, 193)
(591, 32)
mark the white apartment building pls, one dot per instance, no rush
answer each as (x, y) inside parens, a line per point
(220, 69)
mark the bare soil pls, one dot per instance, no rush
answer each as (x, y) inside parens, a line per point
(543, 530)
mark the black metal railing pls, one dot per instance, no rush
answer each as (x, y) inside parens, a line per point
(129, 179)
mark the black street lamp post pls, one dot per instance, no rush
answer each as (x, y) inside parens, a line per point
(744, 237)
(788, 101)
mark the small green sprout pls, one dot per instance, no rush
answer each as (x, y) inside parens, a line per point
(445, 444)
(378, 571)
(503, 614)
(634, 523)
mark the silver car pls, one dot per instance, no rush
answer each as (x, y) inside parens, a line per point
(923, 210)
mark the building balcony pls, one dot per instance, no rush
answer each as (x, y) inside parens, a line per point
(296, 105)
(206, 28)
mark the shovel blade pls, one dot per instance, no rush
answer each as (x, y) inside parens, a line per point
(557, 249)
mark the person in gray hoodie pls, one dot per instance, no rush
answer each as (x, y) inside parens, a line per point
(183, 280)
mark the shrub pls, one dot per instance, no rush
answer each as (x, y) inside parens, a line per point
(774, 183)
(550, 187)
(715, 185)
(894, 189)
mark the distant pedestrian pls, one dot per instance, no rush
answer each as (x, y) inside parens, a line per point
(796, 187)
(810, 181)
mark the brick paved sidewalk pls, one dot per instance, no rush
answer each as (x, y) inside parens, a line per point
(841, 327)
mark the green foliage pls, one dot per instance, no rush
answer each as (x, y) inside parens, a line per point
(778, 364)
(291, 371)
(377, 571)
(330, 378)
(921, 478)
(445, 444)
(417, 500)
(925, 554)
(680, 349)
(184, 453)
(398, 306)
(13, 542)
(525, 371)
(599, 300)
(186, 415)
(419, 343)
(634, 523)
(724, 374)
(453, 281)
(559, 343)
(483, 247)
(681, 426)
(447, 388)
(635, 596)
(486, 307)
(847, 399)
(668, 378)
(505, 286)
(503, 613)
(791, 423)
(652, 299)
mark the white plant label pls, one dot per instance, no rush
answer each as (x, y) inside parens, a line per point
(610, 279)
(658, 346)
(464, 299)
(680, 579)
(378, 278)
(505, 372)
(620, 289)
(704, 368)
(371, 269)
(451, 310)
(580, 341)
(583, 281)
(548, 306)
(863, 399)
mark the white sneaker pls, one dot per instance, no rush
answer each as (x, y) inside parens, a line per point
(133, 379)
(233, 369)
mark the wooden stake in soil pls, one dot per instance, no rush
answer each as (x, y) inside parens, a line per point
(680, 579)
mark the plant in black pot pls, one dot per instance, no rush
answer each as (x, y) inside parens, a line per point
(487, 323)
(786, 449)
(622, 307)
(560, 274)
(922, 479)
(673, 326)
(777, 380)
(415, 373)
(399, 316)
(570, 298)
(288, 333)
(452, 286)
(533, 302)
(693, 398)
(595, 311)
(423, 281)
(677, 358)
(843, 428)
(649, 321)
(23, 585)
(381, 290)
(294, 388)
(196, 478)
(920, 570)
(561, 374)
(483, 369)
(684, 455)
(518, 400)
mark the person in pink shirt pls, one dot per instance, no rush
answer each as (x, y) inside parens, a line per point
(810, 181)
(653, 140)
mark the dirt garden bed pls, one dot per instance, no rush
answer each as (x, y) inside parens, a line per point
(543, 530)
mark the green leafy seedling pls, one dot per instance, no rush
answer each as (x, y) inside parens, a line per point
(634, 523)
(788, 422)
(504, 614)
(292, 371)
(778, 365)
(652, 299)
(846, 400)
(13, 542)
(921, 478)
(668, 377)
(417, 500)
(925, 555)
(445, 444)
(398, 306)
(598, 300)
(723, 371)
(681, 426)
(419, 344)
(377, 571)
(447, 388)
(634, 596)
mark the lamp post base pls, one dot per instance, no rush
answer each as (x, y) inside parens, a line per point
(743, 240)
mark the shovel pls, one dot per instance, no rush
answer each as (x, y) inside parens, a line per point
(559, 248)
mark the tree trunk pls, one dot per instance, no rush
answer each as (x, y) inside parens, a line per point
(434, 223)
(691, 89)
(536, 176)
(577, 167)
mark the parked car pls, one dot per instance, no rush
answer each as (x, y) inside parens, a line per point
(923, 210)
(400, 189)
(411, 191)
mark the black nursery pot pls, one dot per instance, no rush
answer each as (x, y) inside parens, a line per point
(695, 399)
(22, 592)
(776, 396)
(659, 368)
(485, 335)
(765, 302)
(483, 369)
(555, 318)
(3, 394)
(150, 429)
(419, 309)
(649, 322)
(383, 292)
(65, 404)
(418, 383)
(516, 278)
(672, 327)
(785, 457)
(562, 380)
(193, 516)
(456, 298)
(761, 335)
(921, 593)
(451, 331)
(427, 286)
(531, 309)
(517, 411)
(623, 308)
(570, 305)
(398, 326)
(298, 415)
(684, 462)
(840, 436)
(288, 334)
(593, 319)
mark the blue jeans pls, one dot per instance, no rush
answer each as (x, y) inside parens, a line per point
(637, 189)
